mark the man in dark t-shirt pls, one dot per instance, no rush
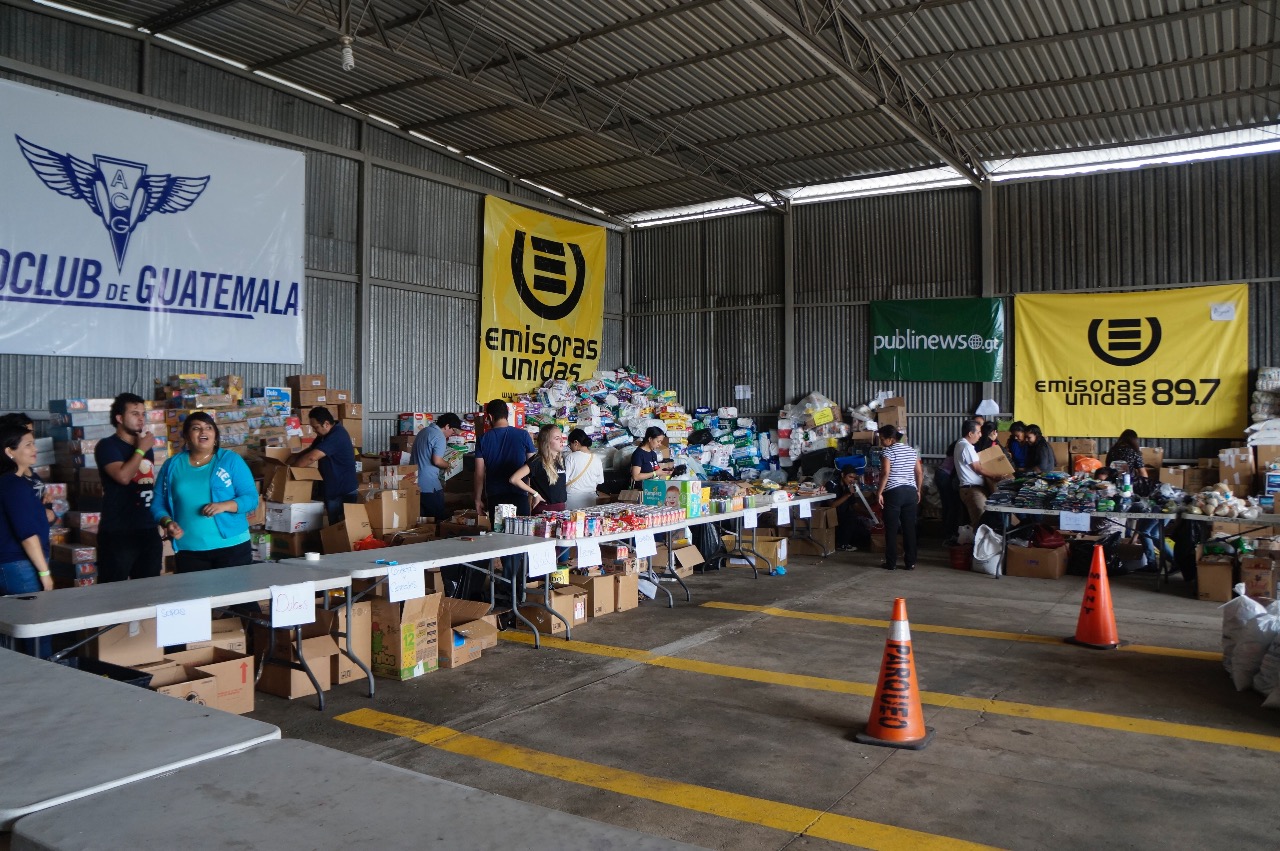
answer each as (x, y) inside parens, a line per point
(501, 451)
(335, 456)
(129, 545)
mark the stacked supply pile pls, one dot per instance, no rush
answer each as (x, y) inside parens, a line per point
(815, 423)
(312, 391)
(733, 447)
(243, 422)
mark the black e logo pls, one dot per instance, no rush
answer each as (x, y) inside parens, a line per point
(550, 275)
(1124, 336)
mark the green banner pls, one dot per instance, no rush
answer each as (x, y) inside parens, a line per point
(956, 339)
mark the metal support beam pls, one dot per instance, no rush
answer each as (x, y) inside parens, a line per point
(789, 376)
(182, 13)
(840, 49)
(627, 261)
(364, 249)
(686, 6)
(987, 234)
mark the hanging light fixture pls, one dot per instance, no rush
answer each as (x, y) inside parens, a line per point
(348, 55)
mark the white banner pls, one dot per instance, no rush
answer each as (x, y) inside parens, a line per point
(126, 235)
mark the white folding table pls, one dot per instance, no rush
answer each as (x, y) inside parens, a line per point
(69, 734)
(292, 794)
(473, 552)
(101, 607)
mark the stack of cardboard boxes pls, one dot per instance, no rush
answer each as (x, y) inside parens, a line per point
(1259, 571)
(311, 391)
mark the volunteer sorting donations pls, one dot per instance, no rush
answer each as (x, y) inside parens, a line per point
(584, 472)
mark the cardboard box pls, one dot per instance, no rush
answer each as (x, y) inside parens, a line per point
(569, 601)
(305, 382)
(824, 541)
(177, 680)
(355, 430)
(344, 670)
(405, 637)
(1214, 578)
(1152, 457)
(388, 511)
(466, 630)
(1258, 573)
(338, 397)
(687, 558)
(994, 462)
(350, 411)
(308, 399)
(283, 484)
(232, 673)
(291, 684)
(822, 416)
(626, 591)
(1235, 467)
(224, 634)
(1061, 454)
(1036, 562)
(1083, 446)
(601, 593)
(129, 644)
(342, 537)
(1196, 479)
(894, 416)
(774, 549)
(1264, 455)
(295, 516)
(823, 518)
(294, 544)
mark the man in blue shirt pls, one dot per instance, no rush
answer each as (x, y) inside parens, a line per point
(335, 455)
(129, 545)
(501, 451)
(429, 449)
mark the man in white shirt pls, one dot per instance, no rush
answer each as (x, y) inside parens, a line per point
(972, 477)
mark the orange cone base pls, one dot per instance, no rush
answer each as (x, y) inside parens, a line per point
(1078, 643)
(864, 738)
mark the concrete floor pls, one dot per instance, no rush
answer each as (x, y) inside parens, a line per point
(1007, 777)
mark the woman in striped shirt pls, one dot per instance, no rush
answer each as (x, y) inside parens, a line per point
(901, 480)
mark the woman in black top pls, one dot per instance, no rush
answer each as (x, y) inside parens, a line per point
(644, 461)
(990, 431)
(1039, 453)
(545, 472)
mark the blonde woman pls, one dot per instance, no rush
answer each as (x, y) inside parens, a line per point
(546, 483)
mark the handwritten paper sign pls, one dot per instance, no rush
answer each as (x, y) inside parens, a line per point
(179, 623)
(805, 509)
(645, 545)
(406, 582)
(542, 560)
(1073, 521)
(749, 520)
(589, 554)
(293, 605)
(784, 515)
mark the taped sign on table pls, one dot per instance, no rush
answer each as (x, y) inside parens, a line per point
(183, 622)
(406, 582)
(1074, 521)
(645, 545)
(804, 510)
(293, 605)
(589, 554)
(542, 560)
(749, 520)
(784, 514)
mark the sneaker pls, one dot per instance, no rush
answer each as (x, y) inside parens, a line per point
(887, 567)
(848, 548)
(909, 567)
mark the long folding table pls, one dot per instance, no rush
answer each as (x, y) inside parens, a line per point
(102, 607)
(474, 552)
(69, 734)
(293, 795)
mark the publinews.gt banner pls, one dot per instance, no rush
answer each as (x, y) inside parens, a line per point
(542, 300)
(126, 235)
(1172, 363)
(949, 339)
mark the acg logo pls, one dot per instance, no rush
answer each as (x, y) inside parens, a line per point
(1123, 336)
(551, 275)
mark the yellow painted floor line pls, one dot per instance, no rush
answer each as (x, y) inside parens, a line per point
(958, 630)
(702, 799)
(1101, 720)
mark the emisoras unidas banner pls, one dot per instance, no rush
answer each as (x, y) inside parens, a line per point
(542, 300)
(1170, 363)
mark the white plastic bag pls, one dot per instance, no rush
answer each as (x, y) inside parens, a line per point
(1255, 641)
(988, 546)
(1268, 676)
(1235, 614)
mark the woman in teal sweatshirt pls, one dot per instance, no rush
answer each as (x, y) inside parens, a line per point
(203, 497)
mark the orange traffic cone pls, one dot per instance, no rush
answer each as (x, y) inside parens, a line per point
(1097, 625)
(897, 721)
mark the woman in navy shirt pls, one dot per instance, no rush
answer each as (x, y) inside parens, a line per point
(24, 528)
(644, 461)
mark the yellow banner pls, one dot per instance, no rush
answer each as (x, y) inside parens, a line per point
(542, 300)
(1171, 363)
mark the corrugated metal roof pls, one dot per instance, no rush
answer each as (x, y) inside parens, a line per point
(645, 104)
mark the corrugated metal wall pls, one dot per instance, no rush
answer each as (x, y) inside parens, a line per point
(424, 233)
(706, 301)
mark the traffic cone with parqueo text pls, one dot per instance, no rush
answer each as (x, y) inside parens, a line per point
(1096, 627)
(897, 719)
